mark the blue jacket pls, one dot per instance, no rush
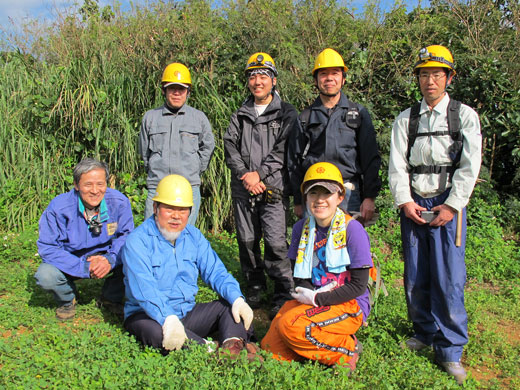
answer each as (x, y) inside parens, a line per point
(66, 242)
(161, 279)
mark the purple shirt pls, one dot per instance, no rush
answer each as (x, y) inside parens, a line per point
(358, 247)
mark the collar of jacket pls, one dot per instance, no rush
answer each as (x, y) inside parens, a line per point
(318, 104)
(441, 107)
(166, 110)
(103, 209)
(248, 108)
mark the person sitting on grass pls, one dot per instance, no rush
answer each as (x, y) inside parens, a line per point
(332, 258)
(162, 260)
(81, 234)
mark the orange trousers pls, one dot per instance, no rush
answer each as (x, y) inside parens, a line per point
(324, 333)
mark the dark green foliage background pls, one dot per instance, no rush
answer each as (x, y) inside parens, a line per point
(81, 87)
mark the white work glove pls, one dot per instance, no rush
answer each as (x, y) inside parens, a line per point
(327, 287)
(240, 309)
(308, 297)
(304, 295)
(173, 333)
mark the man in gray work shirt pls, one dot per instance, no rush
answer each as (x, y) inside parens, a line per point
(175, 138)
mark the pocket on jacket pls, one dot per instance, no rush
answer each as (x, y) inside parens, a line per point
(158, 138)
(190, 139)
(346, 137)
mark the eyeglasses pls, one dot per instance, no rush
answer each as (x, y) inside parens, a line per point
(435, 76)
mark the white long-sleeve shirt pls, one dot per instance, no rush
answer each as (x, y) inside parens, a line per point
(434, 150)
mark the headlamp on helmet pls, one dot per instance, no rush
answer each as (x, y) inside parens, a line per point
(435, 56)
(261, 61)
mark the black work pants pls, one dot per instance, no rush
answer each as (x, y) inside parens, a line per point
(270, 221)
(202, 321)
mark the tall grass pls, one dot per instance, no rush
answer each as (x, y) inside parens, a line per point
(84, 84)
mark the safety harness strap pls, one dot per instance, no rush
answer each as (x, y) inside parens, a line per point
(446, 171)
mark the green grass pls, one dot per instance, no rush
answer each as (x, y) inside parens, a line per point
(94, 352)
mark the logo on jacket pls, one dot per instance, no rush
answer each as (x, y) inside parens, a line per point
(274, 125)
(111, 228)
(353, 114)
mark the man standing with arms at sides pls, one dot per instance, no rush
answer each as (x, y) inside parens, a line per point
(336, 130)
(435, 157)
(254, 146)
(175, 138)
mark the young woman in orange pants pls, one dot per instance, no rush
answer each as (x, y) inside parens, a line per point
(332, 264)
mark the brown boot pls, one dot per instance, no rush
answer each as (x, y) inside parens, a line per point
(352, 362)
(231, 348)
(252, 352)
(67, 311)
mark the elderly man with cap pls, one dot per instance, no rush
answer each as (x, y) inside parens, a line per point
(339, 131)
(81, 235)
(435, 156)
(175, 138)
(254, 146)
(162, 260)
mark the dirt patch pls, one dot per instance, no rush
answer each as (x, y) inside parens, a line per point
(490, 375)
(261, 322)
(511, 329)
(398, 282)
(19, 331)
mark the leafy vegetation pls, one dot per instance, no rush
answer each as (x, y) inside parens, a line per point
(80, 87)
(93, 351)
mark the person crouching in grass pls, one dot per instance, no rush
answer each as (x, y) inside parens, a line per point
(332, 258)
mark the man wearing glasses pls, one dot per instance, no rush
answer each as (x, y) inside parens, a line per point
(435, 157)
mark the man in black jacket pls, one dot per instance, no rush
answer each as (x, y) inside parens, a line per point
(334, 129)
(254, 146)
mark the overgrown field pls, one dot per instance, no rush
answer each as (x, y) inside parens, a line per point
(94, 352)
(79, 88)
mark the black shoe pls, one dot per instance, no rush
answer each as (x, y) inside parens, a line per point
(254, 296)
(115, 308)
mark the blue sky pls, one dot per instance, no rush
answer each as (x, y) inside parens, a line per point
(19, 10)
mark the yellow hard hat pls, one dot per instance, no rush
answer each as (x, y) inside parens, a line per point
(323, 172)
(174, 190)
(176, 73)
(261, 60)
(329, 58)
(435, 56)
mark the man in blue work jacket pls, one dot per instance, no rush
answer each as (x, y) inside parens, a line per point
(162, 260)
(81, 234)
